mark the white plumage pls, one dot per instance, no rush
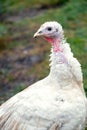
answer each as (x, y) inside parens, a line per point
(56, 102)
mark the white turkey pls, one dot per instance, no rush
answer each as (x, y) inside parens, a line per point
(57, 102)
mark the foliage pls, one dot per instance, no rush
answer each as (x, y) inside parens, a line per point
(15, 5)
(19, 88)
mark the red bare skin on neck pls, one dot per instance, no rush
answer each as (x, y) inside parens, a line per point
(55, 44)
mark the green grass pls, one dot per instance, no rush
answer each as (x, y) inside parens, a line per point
(17, 5)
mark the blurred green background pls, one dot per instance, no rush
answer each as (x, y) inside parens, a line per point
(24, 60)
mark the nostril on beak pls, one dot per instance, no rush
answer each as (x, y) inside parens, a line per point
(40, 32)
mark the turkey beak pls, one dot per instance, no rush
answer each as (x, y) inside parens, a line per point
(38, 33)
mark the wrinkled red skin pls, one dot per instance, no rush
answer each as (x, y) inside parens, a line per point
(55, 43)
(49, 39)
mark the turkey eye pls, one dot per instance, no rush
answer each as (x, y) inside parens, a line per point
(49, 28)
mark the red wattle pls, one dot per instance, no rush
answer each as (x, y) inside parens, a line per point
(55, 44)
(49, 39)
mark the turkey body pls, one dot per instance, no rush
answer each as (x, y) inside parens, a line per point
(49, 104)
(44, 106)
(57, 102)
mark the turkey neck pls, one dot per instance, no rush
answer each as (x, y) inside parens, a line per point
(59, 68)
(56, 43)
